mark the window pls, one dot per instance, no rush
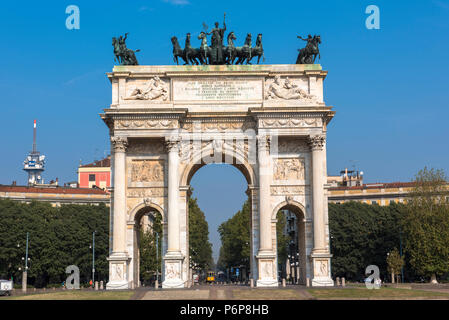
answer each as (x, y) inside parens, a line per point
(374, 202)
(91, 177)
(392, 201)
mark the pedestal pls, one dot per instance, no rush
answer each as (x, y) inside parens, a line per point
(118, 272)
(321, 270)
(173, 275)
(267, 270)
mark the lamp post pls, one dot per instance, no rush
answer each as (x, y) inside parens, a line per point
(157, 261)
(93, 258)
(25, 272)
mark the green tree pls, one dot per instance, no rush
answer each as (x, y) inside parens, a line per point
(395, 263)
(283, 239)
(235, 239)
(58, 237)
(426, 224)
(199, 246)
(362, 235)
(150, 261)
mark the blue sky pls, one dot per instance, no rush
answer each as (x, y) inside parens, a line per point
(388, 86)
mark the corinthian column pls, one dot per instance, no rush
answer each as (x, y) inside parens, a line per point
(320, 256)
(317, 146)
(173, 259)
(173, 196)
(118, 260)
(266, 265)
(264, 195)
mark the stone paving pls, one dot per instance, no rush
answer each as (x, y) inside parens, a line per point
(204, 292)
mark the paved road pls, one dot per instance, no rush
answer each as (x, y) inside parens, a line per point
(205, 292)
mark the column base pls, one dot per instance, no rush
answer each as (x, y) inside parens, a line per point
(267, 269)
(173, 275)
(321, 270)
(118, 271)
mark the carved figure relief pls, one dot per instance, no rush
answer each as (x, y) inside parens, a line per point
(172, 270)
(155, 89)
(285, 89)
(289, 169)
(147, 170)
(117, 271)
(321, 268)
(267, 270)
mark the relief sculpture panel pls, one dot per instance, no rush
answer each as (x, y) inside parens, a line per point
(289, 169)
(147, 170)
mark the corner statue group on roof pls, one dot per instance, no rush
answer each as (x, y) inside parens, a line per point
(122, 54)
(217, 53)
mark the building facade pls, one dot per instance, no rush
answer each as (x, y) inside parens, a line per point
(95, 174)
(54, 195)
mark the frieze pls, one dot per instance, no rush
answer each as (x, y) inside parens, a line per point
(146, 124)
(287, 190)
(145, 192)
(290, 123)
(292, 146)
(146, 147)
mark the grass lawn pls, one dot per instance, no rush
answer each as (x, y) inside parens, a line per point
(77, 295)
(382, 293)
(268, 294)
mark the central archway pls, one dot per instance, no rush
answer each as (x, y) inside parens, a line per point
(229, 157)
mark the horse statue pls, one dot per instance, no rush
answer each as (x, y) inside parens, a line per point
(192, 54)
(308, 54)
(205, 50)
(230, 50)
(244, 53)
(122, 54)
(257, 51)
(177, 51)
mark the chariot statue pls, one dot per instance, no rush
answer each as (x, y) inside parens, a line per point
(122, 54)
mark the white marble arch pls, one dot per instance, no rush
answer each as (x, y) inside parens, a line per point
(226, 108)
(249, 172)
(304, 235)
(135, 214)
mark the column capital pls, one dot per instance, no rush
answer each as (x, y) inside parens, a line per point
(120, 144)
(317, 142)
(172, 144)
(263, 143)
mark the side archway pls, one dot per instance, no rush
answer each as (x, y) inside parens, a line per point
(135, 223)
(296, 265)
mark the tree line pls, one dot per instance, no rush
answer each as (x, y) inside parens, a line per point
(58, 237)
(413, 236)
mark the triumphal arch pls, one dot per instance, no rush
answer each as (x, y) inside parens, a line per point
(269, 121)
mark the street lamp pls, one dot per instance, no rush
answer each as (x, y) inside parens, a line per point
(93, 257)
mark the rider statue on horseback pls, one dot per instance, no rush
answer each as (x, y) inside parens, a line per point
(122, 54)
(308, 54)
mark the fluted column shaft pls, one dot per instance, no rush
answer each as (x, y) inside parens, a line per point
(317, 146)
(264, 195)
(173, 196)
(119, 145)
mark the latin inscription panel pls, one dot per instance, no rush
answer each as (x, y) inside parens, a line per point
(217, 89)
